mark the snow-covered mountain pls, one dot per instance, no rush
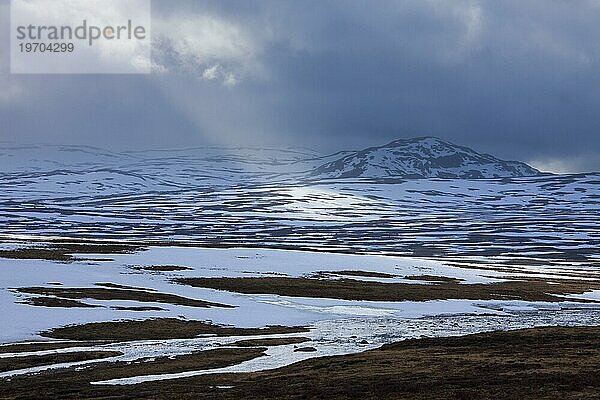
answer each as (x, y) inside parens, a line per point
(424, 157)
(88, 171)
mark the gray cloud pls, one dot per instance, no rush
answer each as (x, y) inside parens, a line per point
(518, 79)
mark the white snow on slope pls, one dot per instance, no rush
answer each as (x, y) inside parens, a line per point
(425, 157)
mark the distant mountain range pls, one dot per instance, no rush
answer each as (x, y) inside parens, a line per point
(423, 157)
(82, 170)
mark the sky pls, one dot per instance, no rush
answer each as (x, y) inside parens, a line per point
(519, 79)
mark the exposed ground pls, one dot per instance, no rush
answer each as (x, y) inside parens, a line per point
(163, 268)
(14, 363)
(366, 274)
(42, 346)
(351, 289)
(544, 363)
(270, 342)
(113, 294)
(71, 384)
(158, 328)
(66, 252)
(55, 302)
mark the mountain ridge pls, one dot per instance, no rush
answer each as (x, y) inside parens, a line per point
(422, 157)
(62, 167)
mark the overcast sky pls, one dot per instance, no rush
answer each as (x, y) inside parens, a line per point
(519, 79)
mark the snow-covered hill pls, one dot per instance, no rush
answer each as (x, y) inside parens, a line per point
(425, 157)
(87, 171)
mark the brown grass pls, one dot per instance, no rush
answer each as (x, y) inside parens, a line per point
(75, 384)
(358, 273)
(157, 328)
(40, 346)
(540, 364)
(55, 302)
(118, 294)
(350, 289)
(66, 251)
(14, 363)
(270, 342)
(433, 278)
(163, 268)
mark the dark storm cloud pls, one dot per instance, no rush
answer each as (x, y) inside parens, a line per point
(518, 79)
